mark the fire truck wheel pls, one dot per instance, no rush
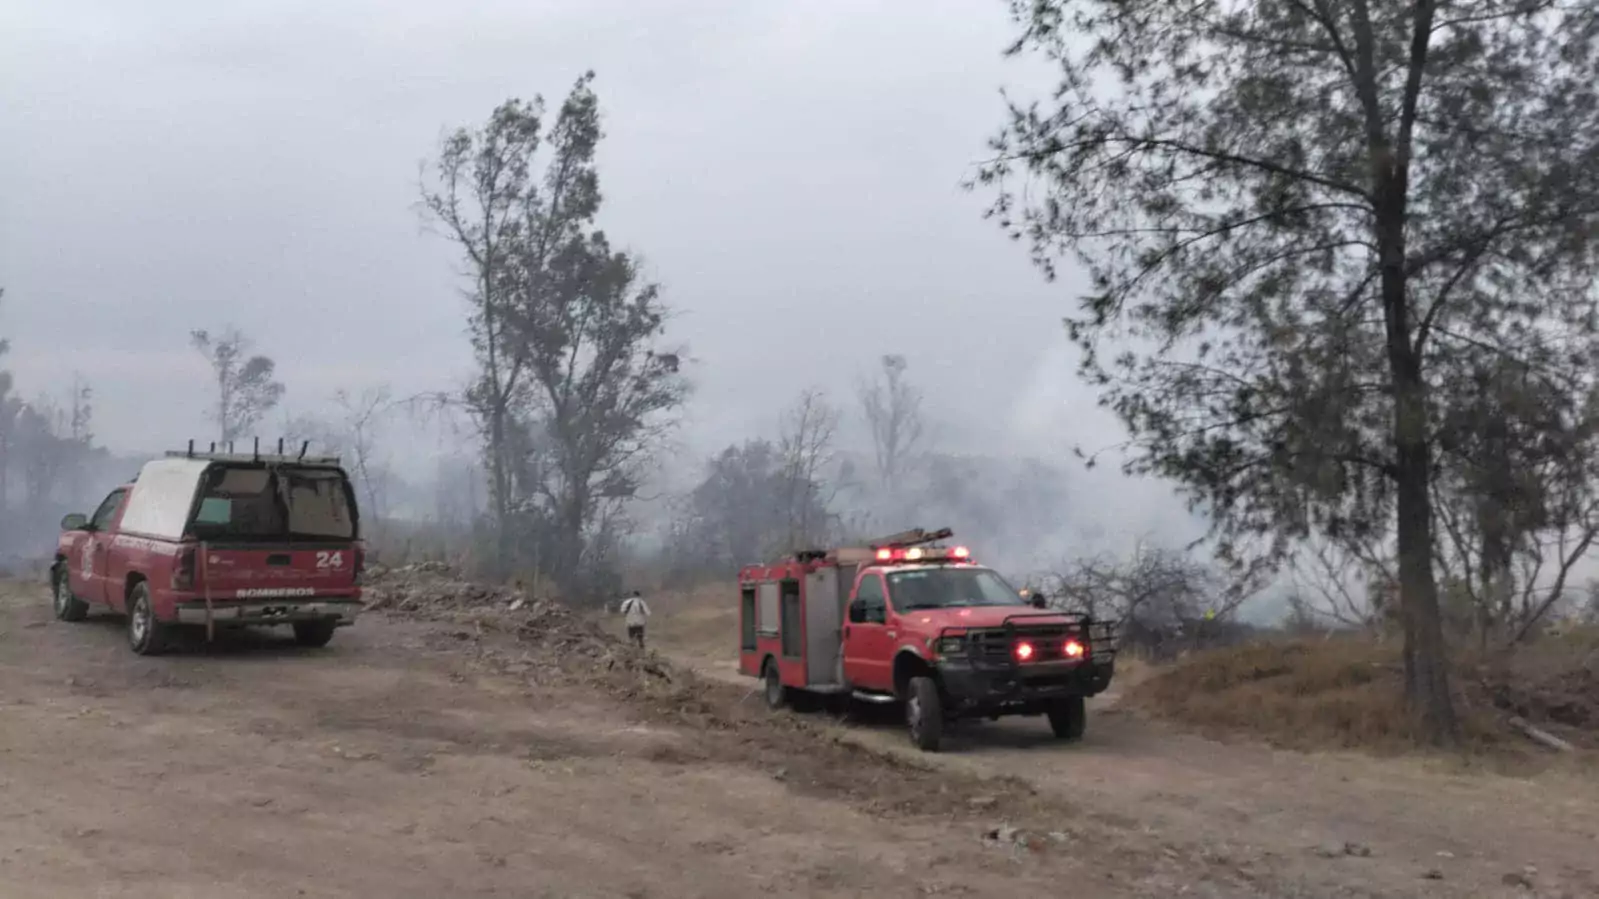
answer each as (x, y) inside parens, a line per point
(67, 606)
(146, 634)
(1069, 718)
(776, 693)
(924, 713)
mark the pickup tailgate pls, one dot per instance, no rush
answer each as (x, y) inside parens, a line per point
(265, 572)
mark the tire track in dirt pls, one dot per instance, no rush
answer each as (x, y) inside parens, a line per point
(1403, 819)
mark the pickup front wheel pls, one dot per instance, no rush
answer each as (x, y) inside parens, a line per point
(147, 635)
(67, 607)
(924, 714)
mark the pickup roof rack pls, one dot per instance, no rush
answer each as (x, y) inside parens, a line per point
(228, 455)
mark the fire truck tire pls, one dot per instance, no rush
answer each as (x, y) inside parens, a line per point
(924, 714)
(776, 693)
(1069, 718)
(67, 607)
(147, 635)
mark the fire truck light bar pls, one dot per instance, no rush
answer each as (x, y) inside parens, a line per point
(924, 554)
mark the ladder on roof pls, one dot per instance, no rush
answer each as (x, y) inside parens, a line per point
(227, 454)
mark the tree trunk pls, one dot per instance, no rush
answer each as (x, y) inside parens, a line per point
(502, 507)
(1425, 655)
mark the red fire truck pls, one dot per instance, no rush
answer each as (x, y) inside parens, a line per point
(902, 620)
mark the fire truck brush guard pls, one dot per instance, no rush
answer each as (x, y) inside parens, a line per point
(906, 620)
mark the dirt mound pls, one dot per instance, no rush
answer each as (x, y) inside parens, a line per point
(556, 642)
(1347, 693)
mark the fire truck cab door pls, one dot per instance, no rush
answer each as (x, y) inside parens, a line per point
(868, 648)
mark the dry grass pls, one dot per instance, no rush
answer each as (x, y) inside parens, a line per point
(1346, 693)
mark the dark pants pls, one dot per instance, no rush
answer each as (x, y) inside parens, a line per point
(635, 632)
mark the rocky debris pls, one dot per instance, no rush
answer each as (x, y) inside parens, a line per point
(1007, 837)
(1340, 850)
(1526, 878)
(564, 644)
(432, 587)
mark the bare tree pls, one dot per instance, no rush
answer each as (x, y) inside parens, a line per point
(806, 448)
(10, 408)
(893, 409)
(362, 418)
(1158, 595)
(1340, 583)
(246, 390)
(323, 437)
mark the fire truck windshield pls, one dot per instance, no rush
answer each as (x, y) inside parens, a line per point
(947, 588)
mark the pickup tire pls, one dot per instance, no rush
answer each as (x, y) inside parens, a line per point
(314, 634)
(67, 607)
(1069, 717)
(924, 713)
(147, 635)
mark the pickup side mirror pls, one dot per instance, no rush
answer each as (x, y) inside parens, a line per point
(1040, 601)
(74, 522)
(857, 612)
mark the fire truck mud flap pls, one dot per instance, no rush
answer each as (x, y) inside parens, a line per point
(974, 690)
(271, 611)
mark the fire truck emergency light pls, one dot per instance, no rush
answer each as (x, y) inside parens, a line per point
(924, 553)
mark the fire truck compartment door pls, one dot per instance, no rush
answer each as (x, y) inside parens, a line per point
(822, 620)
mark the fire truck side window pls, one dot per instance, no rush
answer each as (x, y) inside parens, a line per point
(870, 599)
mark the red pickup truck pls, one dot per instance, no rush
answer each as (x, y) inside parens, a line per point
(217, 540)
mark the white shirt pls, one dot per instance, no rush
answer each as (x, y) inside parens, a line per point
(634, 611)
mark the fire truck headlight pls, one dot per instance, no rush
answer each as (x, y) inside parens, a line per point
(950, 646)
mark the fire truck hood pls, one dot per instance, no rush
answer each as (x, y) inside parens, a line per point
(979, 616)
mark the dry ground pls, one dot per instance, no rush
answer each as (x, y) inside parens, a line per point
(426, 759)
(1484, 833)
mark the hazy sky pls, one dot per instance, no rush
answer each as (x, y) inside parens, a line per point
(790, 171)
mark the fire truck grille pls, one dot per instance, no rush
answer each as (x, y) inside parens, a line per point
(997, 646)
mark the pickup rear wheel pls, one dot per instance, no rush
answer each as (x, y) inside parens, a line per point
(924, 714)
(67, 607)
(314, 633)
(147, 635)
(1069, 717)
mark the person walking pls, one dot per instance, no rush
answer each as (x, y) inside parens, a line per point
(635, 612)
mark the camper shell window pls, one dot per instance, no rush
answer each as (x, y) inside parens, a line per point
(279, 502)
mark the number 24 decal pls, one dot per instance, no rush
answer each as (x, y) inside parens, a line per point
(325, 559)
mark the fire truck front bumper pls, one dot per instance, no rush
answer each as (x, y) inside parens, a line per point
(246, 613)
(1022, 689)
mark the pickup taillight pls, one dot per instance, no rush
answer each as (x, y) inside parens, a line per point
(183, 574)
(360, 564)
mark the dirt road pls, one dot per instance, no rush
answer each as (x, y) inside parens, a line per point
(416, 760)
(400, 762)
(1327, 822)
